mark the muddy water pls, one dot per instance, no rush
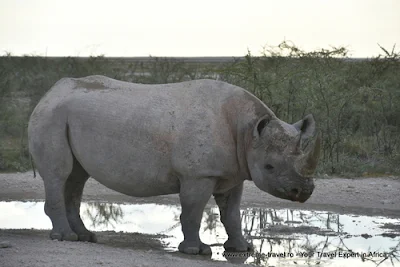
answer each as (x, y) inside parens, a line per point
(280, 237)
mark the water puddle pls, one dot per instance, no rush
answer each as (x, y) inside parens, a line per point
(281, 237)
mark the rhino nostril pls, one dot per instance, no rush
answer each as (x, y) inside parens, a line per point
(295, 191)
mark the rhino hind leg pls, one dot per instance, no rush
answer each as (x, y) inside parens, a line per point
(229, 207)
(54, 160)
(73, 197)
(194, 195)
(55, 209)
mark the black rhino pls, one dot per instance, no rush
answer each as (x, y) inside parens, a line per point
(197, 138)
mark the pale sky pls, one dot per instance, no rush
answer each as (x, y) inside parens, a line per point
(194, 28)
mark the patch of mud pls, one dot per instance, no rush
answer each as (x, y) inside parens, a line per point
(91, 85)
(131, 240)
(394, 230)
(109, 238)
(391, 226)
(303, 229)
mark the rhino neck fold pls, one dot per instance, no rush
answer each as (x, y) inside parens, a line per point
(249, 110)
(242, 142)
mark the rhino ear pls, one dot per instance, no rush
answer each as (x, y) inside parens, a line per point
(260, 125)
(306, 126)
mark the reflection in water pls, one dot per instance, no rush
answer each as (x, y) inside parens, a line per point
(103, 214)
(280, 237)
(313, 238)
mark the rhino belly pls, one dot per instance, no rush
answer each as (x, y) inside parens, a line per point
(133, 167)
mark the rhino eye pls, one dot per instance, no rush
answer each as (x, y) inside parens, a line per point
(269, 167)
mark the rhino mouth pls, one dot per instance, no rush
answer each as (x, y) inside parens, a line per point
(301, 198)
(296, 194)
(299, 194)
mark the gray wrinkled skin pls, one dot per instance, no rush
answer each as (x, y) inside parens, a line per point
(196, 138)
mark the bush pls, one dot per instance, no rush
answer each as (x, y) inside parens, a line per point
(356, 102)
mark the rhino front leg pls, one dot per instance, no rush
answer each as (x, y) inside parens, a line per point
(194, 195)
(229, 207)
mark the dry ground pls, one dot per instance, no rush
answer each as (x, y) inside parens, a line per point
(364, 196)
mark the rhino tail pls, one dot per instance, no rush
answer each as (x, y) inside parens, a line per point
(33, 165)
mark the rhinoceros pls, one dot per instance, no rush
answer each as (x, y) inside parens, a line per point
(196, 138)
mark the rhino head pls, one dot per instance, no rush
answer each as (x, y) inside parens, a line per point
(282, 157)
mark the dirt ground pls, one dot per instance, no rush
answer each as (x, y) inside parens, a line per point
(362, 196)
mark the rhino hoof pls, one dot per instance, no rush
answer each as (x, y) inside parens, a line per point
(71, 236)
(89, 237)
(194, 249)
(237, 246)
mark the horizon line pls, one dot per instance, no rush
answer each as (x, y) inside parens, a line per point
(183, 58)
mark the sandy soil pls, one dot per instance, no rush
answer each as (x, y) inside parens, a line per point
(363, 196)
(367, 196)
